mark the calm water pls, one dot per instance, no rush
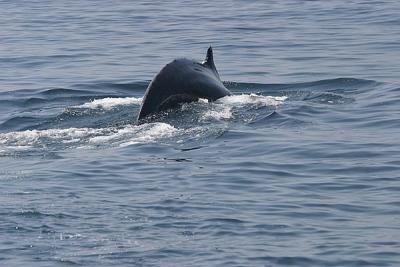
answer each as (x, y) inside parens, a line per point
(300, 167)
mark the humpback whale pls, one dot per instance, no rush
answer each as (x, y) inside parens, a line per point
(180, 81)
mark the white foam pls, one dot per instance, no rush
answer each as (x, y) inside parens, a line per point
(221, 113)
(109, 103)
(252, 99)
(222, 108)
(86, 137)
(31, 137)
(128, 134)
(134, 134)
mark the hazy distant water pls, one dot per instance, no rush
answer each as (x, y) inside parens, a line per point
(300, 167)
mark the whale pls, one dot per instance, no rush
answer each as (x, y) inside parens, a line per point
(181, 81)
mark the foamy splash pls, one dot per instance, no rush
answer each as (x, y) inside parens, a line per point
(252, 99)
(222, 108)
(109, 103)
(219, 113)
(86, 137)
(136, 134)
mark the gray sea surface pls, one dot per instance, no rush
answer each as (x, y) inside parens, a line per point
(299, 167)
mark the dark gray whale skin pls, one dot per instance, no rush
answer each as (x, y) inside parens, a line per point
(181, 81)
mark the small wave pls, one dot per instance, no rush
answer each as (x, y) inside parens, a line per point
(109, 103)
(278, 119)
(342, 85)
(328, 98)
(65, 92)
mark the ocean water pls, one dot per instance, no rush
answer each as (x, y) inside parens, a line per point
(299, 167)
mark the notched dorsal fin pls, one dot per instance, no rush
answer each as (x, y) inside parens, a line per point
(209, 61)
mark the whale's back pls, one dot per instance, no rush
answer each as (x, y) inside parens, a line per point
(182, 80)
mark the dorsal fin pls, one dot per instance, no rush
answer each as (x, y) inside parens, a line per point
(209, 61)
(209, 58)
